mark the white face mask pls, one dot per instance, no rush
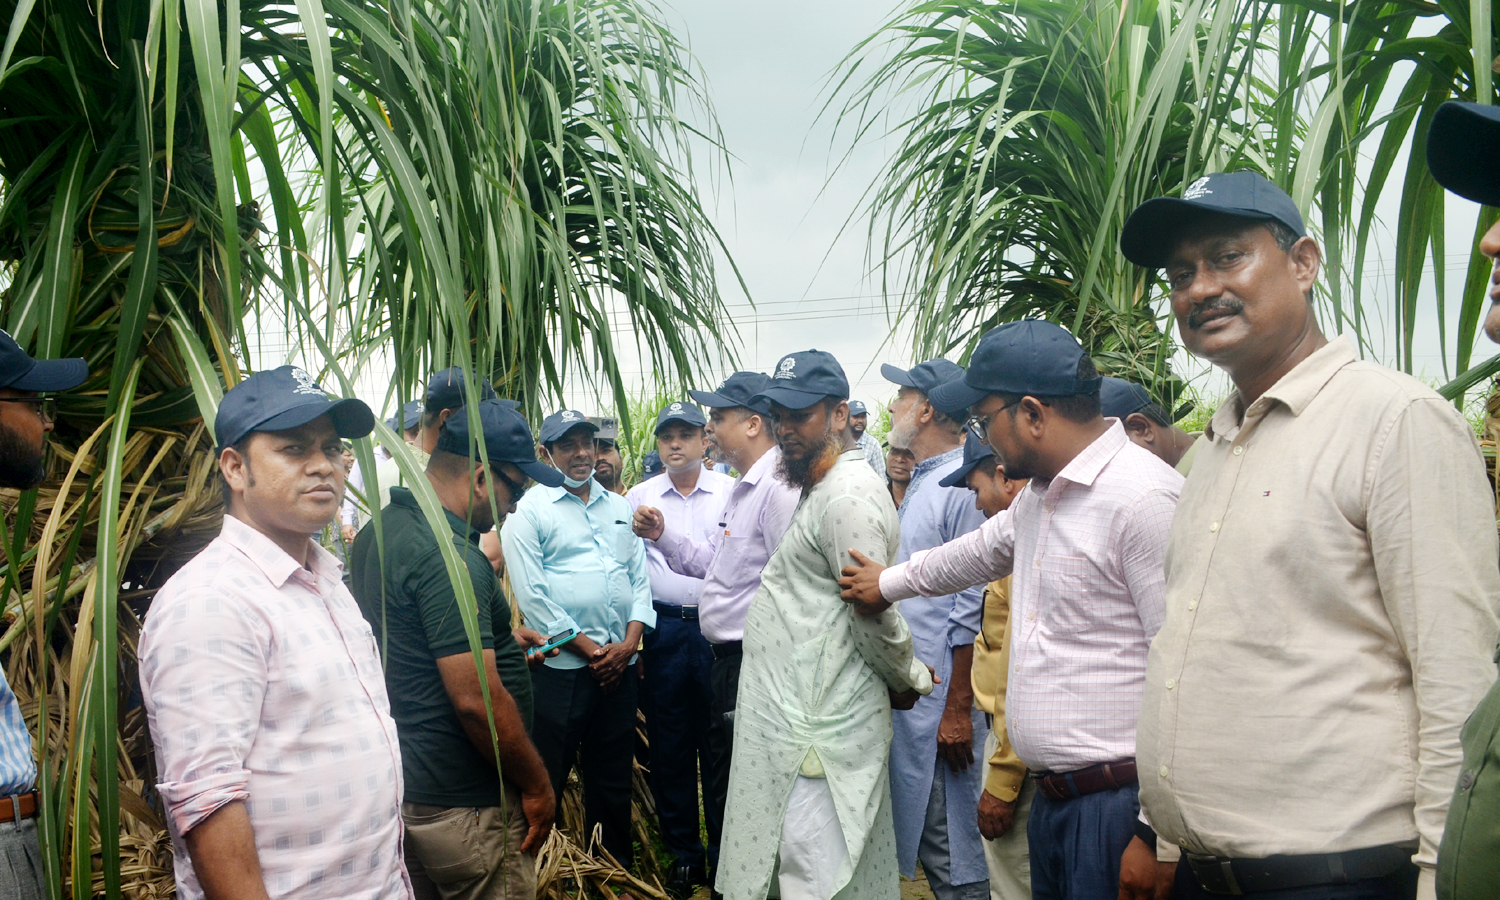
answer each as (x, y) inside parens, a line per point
(572, 482)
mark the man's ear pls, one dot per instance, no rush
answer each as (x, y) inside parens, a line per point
(443, 415)
(235, 468)
(1138, 424)
(755, 426)
(543, 455)
(1306, 259)
(1033, 415)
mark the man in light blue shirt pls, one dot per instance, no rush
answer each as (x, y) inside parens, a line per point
(935, 783)
(575, 565)
(26, 415)
(678, 658)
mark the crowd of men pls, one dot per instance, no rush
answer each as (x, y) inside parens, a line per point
(1049, 645)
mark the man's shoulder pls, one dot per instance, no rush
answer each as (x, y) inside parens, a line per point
(1366, 382)
(1135, 472)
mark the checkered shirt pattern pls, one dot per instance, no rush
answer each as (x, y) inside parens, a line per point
(263, 684)
(1088, 595)
(17, 765)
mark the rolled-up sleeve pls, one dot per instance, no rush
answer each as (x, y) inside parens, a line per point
(204, 671)
(521, 545)
(977, 558)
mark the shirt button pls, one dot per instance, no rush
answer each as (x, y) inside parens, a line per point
(1171, 683)
(1192, 605)
(1239, 451)
(1466, 781)
(1213, 528)
(1163, 771)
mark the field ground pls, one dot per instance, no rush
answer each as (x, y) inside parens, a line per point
(910, 890)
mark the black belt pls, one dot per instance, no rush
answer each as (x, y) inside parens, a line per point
(677, 612)
(727, 649)
(1234, 877)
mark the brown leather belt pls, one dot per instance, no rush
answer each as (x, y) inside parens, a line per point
(1103, 777)
(22, 807)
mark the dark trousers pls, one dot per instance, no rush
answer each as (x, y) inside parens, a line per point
(678, 660)
(576, 721)
(724, 678)
(1076, 844)
(1400, 886)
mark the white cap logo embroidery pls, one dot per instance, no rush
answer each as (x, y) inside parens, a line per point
(569, 416)
(1197, 189)
(675, 408)
(784, 370)
(305, 383)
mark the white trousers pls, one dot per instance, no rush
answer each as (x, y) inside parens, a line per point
(1008, 858)
(813, 853)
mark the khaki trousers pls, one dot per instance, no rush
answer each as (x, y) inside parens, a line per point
(1008, 857)
(468, 853)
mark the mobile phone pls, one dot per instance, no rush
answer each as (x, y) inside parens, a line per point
(557, 640)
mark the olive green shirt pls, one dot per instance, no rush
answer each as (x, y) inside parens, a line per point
(1469, 858)
(416, 623)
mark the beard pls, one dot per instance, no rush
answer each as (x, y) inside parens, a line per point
(605, 477)
(806, 471)
(22, 465)
(902, 433)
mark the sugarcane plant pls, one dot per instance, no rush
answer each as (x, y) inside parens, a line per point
(392, 186)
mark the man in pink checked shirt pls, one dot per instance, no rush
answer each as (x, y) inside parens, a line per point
(1085, 542)
(277, 754)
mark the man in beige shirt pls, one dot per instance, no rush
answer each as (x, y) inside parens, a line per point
(1332, 578)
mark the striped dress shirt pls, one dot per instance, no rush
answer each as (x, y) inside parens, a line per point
(17, 765)
(1088, 595)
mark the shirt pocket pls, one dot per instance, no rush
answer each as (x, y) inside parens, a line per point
(1064, 600)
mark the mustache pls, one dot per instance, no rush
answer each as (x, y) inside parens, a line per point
(1223, 304)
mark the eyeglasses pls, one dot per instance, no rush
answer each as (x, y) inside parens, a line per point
(46, 407)
(979, 426)
(517, 489)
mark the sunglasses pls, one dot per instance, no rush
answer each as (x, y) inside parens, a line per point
(517, 489)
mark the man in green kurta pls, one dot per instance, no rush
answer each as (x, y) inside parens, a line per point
(809, 789)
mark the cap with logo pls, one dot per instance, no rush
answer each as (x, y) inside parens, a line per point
(651, 465)
(1120, 398)
(411, 415)
(445, 389)
(609, 428)
(975, 452)
(562, 422)
(686, 413)
(1463, 150)
(923, 377)
(858, 408)
(18, 371)
(1027, 357)
(283, 399)
(507, 438)
(738, 389)
(802, 379)
(1147, 237)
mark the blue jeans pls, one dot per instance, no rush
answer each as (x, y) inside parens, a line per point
(678, 720)
(1076, 844)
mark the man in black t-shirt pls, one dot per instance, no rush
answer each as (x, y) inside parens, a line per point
(472, 827)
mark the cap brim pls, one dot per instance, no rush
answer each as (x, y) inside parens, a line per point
(954, 397)
(1463, 151)
(789, 397)
(351, 418)
(712, 400)
(896, 375)
(550, 437)
(1146, 239)
(957, 477)
(683, 419)
(50, 375)
(541, 473)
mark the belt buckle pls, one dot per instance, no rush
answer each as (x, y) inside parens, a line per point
(1217, 869)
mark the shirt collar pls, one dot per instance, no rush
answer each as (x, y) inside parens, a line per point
(554, 494)
(1295, 390)
(763, 466)
(707, 485)
(273, 561)
(1086, 466)
(404, 497)
(932, 462)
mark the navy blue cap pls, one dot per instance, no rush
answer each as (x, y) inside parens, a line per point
(411, 414)
(445, 389)
(1027, 357)
(923, 377)
(738, 389)
(975, 452)
(802, 379)
(1463, 150)
(1120, 398)
(857, 408)
(562, 422)
(22, 373)
(507, 438)
(282, 399)
(651, 465)
(1147, 237)
(680, 412)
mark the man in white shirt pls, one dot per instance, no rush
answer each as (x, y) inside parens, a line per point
(1085, 542)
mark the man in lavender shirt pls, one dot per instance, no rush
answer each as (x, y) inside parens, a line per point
(760, 508)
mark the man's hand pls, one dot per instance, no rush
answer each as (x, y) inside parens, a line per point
(540, 808)
(608, 664)
(528, 639)
(1141, 876)
(905, 699)
(955, 738)
(648, 523)
(861, 586)
(995, 816)
(349, 532)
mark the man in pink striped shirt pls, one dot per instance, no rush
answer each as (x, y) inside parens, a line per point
(1085, 542)
(277, 754)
